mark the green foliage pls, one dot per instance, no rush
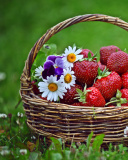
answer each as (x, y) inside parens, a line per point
(90, 150)
(88, 141)
(16, 142)
(98, 141)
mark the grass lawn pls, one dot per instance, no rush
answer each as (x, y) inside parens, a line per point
(22, 23)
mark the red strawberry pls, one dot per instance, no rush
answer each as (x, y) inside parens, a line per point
(35, 88)
(118, 62)
(44, 98)
(77, 104)
(125, 80)
(101, 66)
(108, 85)
(85, 53)
(124, 95)
(69, 97)
(106, 51)
(85, 71)
(92, 97)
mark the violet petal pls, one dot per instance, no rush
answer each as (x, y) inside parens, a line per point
(48, 72)
(48, 64)
(51, 58)
(58, 77)
(59, 71)
(44, 73)
(59, 62)
(51, 71)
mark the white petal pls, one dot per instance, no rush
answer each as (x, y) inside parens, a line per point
(55, 97)
(70, 49)
(78, 51)
(40, 83)
(45, 93)
(74, 48)
(66, 51)
(49, 96)
(78, 57)
(59, 94)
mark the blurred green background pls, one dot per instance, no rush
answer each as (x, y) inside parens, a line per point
(23, 22)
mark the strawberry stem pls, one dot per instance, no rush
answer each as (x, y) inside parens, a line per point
(81, 96)
(103, 73)
(90, 57)
(118, 100)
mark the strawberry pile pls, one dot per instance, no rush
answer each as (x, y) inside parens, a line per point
(77, 78)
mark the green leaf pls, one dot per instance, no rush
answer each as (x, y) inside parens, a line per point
(66, 154)
(37, 143)
(21, 145)
(123, 100)
(89, 55)
(118, 94)
(33, 156)
(49, 49)
(57, 143)
(99, 71)
(103, 73)
(98, 141)
(55, 156)
(88, 141)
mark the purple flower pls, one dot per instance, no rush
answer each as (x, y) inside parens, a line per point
(53, 66)
(48, 64)
(51, 58)
(59, 62)
(48, 72)
(59, 71)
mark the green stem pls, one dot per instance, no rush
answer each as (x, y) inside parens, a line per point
(112, 102)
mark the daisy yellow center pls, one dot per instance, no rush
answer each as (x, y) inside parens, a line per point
(68, 78)
(52, 87)
(71, 57)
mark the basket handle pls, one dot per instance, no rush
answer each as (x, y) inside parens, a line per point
(62, 25)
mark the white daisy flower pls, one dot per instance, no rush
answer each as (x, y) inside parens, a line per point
(5, 152)
(38, 72)
(126, 132)
(20, 114)
(2, 76)
(70, 56)
(68, 78)
(51, 88)
(23, 151)
(2, 115)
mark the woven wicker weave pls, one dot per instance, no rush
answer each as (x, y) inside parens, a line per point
(66, 121)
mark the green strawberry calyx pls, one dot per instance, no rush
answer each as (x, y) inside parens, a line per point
(81, 96)
(117, 100)
(103, 73)
(90, 57)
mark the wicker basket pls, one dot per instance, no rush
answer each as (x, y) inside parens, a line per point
(66, 121)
